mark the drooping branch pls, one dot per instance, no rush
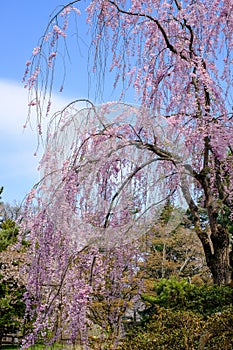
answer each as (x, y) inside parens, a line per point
(157, 22)
(127, 180)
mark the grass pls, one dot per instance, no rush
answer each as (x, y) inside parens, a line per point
(40, 347)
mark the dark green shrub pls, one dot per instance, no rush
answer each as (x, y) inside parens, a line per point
(219, 327)
(170, 329)
(184, 316)
(205, 299)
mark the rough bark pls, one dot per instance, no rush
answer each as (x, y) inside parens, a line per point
(219, 264)
(216, 243)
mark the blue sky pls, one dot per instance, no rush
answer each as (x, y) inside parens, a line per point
(22, 24)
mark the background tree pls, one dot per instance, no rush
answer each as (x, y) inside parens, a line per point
(171, 248)
(12, 283)
(12, 288)
(9, 229)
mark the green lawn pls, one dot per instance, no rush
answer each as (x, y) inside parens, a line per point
(11, 347)
(39, 347)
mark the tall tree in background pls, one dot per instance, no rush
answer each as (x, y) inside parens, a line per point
(11, 280)
(107, 169)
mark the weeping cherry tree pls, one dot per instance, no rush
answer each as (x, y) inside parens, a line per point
(108, 168)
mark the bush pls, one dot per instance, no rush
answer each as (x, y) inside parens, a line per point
(182, 330)
(168, 329)
(205, 299)
(219, 328)
(184, 316)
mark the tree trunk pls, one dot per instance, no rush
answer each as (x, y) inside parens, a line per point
(219, 264)
(216, 246)
(217, 254)
(220, 268)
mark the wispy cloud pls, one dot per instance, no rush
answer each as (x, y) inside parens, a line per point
(17, 145)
